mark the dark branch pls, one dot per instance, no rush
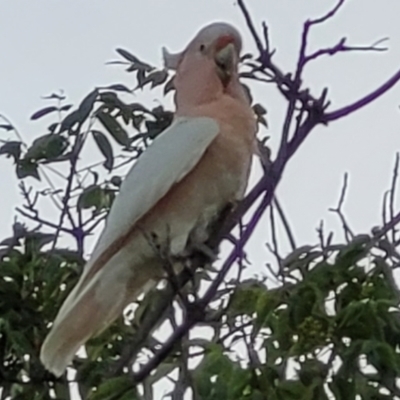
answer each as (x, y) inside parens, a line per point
(328, 15)
(393, 193)
(43, 221)
(342, 48)
(369, 98)
(338, 210)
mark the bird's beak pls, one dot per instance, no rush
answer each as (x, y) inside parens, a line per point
(226, 59)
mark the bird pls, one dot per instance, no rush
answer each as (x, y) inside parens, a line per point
(175, 191)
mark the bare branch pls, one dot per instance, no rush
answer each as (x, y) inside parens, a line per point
(285, 223)
(393, 193)
(338, 210)
(266, 40)
(303, 59)
(369, 98)
(43, 221)
(250, 24)
(341, 48)
(328, 15)
(76, 149)
(378, 233)
(274, 248)
(384, 207)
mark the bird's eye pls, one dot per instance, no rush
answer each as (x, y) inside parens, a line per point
(202, 47)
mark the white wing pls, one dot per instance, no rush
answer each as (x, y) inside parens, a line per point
(167, 160)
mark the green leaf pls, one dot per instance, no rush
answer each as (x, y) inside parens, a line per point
(95, 196)
(130, 57)
(43, 112)
(11, 149)
(69, 121)
(138, 107)
(156, 78)
(266, 302)
(342, 387)
(90, 197)
(52, 127)
(111, 100)
(291, 390)
(36, 240)
(296, 255)
(10, 242)
(245, 297)
(86, 105)
(119, 88)
(47, 147)
(114, 128)
(382, 356)
(105, 148)
(352, 253)
(6, 127)
(113, 389)
(169, 86)
(137, 65)
(81, 114)
(65, 107)
(312, 370)
(27, 168)
(259, 109)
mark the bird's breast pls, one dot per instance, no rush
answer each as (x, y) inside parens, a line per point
(219, 178)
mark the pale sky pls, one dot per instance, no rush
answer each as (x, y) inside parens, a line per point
(47, 45)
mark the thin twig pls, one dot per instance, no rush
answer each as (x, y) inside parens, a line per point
(328, 15)
(274, 249)
(285, 223)
(250, 24)
(342, 48)
(393, 193)
(43, 221)
(369, 98)
(338, 210)
(384, 207)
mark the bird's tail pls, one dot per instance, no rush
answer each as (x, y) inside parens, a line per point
(85, 313)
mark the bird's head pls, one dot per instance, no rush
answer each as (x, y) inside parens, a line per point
(216, 46)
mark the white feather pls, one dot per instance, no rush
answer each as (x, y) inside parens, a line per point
(169, 158)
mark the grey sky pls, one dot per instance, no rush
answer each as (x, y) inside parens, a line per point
(46, 45)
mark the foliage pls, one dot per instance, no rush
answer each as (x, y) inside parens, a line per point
(323, 322)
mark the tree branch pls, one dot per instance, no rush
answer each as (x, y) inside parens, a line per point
(341, 48)
(393, 193)
(369, 98)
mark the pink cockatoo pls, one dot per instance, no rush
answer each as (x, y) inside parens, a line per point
(174, 192)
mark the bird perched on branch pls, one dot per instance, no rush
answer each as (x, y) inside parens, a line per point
(174, 192)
